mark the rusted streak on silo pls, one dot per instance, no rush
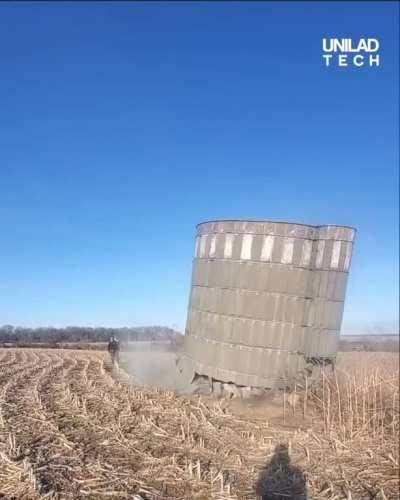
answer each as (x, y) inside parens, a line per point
(266, 298)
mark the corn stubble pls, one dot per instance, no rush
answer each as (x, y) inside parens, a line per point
(71, 428)
(358, 405)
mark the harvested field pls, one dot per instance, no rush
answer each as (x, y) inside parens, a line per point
(71, 428)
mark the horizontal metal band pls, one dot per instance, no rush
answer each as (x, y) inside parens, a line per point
(285, 229)
(272, 221)
(248, 318)
(277, 235)
(267, 322)
(266, 292)
(272, 264)
(254, 276)
(244, 346)
(269, 307)
(288, 251)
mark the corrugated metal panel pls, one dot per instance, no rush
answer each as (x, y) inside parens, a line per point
(265, 297)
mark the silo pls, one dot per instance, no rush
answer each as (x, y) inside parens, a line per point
(266, 300)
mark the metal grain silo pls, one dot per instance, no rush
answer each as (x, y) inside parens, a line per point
(266, 300)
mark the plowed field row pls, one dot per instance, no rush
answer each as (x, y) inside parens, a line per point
(71, 428)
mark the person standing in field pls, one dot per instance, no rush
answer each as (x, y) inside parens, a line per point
(113, 349)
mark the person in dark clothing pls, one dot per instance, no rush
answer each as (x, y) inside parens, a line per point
(113, 349)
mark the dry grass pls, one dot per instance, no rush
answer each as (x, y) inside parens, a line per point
(70, 428)
(361, 399)
(359, 409)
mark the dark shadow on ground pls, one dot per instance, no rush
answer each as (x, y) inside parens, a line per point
(280, 480)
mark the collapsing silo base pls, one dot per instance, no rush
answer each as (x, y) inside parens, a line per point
(202, 383)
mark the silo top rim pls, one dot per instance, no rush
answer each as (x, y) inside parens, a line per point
(270, 221)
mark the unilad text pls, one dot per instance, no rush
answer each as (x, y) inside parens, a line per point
(345, 52)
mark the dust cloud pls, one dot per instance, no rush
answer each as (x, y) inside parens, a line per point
(155, 365)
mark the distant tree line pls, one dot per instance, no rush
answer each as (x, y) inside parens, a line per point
(18, 334)
(388, 343)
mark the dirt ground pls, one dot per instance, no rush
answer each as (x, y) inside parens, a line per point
(72, 427)
(158, 369)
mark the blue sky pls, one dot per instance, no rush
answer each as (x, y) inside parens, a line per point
(122, 125)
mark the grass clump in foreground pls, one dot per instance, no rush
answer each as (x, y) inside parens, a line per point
(358, 407)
